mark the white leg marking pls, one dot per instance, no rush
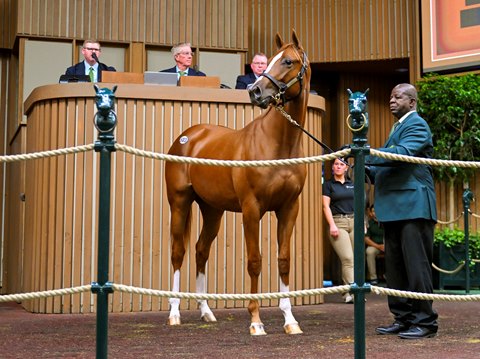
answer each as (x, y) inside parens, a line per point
(175, 302)
(291, 325)
(285, 305)
(205, 311)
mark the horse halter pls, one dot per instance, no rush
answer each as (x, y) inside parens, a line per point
(283, 87)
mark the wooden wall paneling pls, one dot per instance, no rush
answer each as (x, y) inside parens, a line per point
(335, 30)
(147, 222)
(48, 254)
(128, 220)
(13, 255)
(118, 171)
(90, 211)
(28, 254)
(166, 270)
(59, 200)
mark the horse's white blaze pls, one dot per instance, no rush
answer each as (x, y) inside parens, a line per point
(175, 302)
(285, 306)
(274, 60)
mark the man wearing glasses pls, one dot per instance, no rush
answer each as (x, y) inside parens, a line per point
(258, 65)
(90, 65)
(183, 55)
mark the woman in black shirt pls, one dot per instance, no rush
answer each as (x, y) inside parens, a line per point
(338, 208)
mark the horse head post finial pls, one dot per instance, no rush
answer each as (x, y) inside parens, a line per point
(357, 120)
(105, 119)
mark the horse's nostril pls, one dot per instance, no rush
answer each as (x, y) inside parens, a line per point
(255, 92)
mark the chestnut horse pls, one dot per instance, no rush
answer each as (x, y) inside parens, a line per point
(249, 190)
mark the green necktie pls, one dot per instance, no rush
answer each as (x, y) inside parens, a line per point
(394, 127)
(182, 73)
(90, 73)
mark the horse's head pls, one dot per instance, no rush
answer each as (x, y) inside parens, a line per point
(286, 77)
(105, 99)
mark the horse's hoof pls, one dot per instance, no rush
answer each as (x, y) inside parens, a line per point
(292, 329)
(175, 320)
(209, 318)
(257, 329)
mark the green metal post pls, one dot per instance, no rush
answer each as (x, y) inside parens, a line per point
(467, 197)
(359, 128)
(105, 123)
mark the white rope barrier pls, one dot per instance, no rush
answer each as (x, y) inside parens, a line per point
(45, 154)
(44, 294)
(258, 296)
(234, 163)
(231, 163)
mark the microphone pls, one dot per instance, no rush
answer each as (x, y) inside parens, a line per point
(94, 55)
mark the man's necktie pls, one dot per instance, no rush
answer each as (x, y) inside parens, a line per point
(394, 127)
(182, 73)
(90, 73)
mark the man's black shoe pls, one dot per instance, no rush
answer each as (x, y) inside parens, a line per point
(395, 328)
(417, 333)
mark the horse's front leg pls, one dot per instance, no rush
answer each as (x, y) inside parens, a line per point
(286, 221)
(251, 219)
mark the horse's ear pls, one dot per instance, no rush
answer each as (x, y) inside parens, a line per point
(96, 88)
(349, 92)
(115, 89)
(366, 91)
(295, 40)
(278, 40)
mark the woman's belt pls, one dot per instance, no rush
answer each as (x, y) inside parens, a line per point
(343, 215)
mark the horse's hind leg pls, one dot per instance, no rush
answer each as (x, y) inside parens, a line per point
(180, 207)
(211, 224)
(286, 221)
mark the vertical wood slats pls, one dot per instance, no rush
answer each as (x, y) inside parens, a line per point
(205, 23)
(62, 202)
(335, 30)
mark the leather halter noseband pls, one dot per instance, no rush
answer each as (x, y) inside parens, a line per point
(283, 87)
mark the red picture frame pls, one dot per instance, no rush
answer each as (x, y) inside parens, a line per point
(450, 32)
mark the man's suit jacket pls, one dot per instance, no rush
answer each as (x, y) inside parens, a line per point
(244, 80)
(191, 72)
(79, 69)
(405, 190)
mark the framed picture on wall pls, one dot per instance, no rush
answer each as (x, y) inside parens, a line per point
(450, 34)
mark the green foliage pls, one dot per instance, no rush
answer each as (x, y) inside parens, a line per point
(451, 106)
(453, 237)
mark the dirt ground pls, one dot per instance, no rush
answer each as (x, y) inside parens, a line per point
(328, 333)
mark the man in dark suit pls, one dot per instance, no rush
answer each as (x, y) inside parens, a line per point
(405, 204)
(183, 55)
(258, 65)
(89, 66)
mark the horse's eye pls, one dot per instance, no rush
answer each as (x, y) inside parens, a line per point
(288, 62)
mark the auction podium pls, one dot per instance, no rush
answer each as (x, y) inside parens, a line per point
(199, 81)
(60, 235)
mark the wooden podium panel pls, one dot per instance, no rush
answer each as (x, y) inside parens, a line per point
(122, 77)
(199, 81)
(59, 239)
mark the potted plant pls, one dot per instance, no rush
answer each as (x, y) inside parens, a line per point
(450, 246)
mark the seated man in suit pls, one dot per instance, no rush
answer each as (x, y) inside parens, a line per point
(90, 65)
(258, 65)
(183, 55)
